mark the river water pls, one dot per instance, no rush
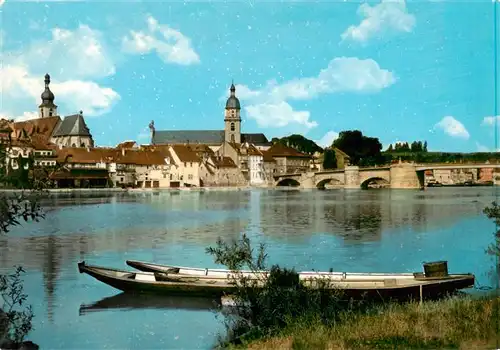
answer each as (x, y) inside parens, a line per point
(346, 230)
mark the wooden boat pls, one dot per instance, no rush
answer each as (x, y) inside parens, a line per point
(129, 301)
(157, 282)
(433, 282)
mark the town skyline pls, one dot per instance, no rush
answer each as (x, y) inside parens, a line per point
(361, 71)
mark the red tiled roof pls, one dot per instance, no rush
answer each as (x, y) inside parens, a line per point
(225, 162)
(86, 156)
(110, 155)
(126, 144)
(185, 153)
(139, 157)
(280, 150)
(267, 157)
(42, 126)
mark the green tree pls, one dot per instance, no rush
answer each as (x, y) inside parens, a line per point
(493, 213)
(329, 159)
(267, 303)
(15, 208)
(361, 149)
(300, 143)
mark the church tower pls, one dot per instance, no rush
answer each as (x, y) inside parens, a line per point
(232, 119)
(47, 108)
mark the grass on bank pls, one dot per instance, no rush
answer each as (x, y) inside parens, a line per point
(457, 322)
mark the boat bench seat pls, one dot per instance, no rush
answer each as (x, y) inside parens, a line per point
(145, 277)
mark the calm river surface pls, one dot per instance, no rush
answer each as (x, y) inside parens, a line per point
(347, 230)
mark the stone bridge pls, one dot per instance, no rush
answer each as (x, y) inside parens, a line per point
(401, 175)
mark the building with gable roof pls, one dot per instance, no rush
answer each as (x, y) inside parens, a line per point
(213, 138)
(50, 129)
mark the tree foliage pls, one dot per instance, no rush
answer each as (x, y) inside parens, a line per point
(442, 157)
(329, 159)
(267, 300)
(493, 213)
(237, 254)
(415, 146)
(300, 143)
(362, 150)
(16, 208)
(15, 321)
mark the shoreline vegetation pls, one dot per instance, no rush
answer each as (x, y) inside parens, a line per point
(456, 322)
(285, 315)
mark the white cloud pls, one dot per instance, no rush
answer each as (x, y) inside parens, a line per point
(269, 106)
(278, 115)
(169, 44)
(327, 139)
(386, 16)
(453, 127)
(70, 55)
(20, 118)
(73, 58)
(490, 121)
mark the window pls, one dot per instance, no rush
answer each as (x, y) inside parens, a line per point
(121, 179)
(232, 138)
(171, 177)
(190, 176)
(50, 114)
(232, 126)
(164, 176)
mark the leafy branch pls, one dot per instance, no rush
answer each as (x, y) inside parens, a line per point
(15, 323)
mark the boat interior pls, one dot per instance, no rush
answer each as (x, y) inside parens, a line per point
(342, 281)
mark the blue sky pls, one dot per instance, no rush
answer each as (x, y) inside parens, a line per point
(398, 71)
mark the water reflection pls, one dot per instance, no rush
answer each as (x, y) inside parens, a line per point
(125, 301)
(383, 230)
(362, 216)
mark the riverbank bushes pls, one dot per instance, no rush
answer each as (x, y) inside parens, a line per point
(266, 304)
(457, 322)
(276, 311)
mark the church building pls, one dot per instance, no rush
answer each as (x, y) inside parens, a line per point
(49, 128)
(213, 138)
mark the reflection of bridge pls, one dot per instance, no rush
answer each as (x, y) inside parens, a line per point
(402, 175)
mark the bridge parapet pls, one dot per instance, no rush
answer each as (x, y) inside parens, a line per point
(400, 175)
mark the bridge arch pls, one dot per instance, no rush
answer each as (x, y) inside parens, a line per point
(375, 180)
(332, 181)
(287, 182)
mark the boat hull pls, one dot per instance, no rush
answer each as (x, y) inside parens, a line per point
(405, 286)
(129, 285)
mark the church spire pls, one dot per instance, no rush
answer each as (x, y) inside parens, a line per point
(232, 89)
(47, 96)
(47, 108)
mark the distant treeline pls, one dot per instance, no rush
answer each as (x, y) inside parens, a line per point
(367, 151)
(442, 157)
(415, 146)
